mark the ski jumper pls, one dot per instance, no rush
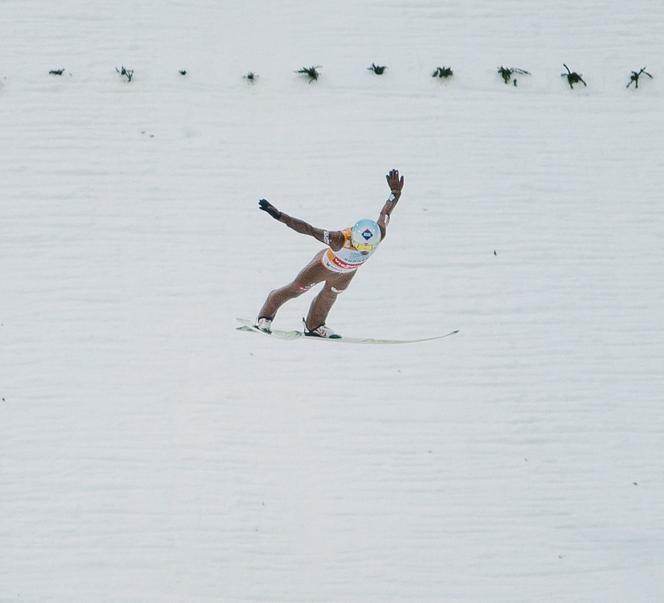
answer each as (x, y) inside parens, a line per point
(334, 266)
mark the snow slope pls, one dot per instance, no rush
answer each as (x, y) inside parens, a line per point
(150, 453)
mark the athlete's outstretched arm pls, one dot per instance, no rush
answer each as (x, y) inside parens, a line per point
(332, 238)
(396, 185)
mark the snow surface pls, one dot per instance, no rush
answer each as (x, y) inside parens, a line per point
(151, 453)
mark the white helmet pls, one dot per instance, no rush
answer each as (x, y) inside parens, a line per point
(365, 235)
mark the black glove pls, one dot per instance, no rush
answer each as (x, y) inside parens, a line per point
(265, 205)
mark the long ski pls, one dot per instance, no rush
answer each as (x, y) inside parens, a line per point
(249, 326)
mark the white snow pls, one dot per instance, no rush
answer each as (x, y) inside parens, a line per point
(151, 453)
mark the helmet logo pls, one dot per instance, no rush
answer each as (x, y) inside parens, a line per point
(367, 234)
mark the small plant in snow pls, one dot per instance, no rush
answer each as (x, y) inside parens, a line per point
(182, 72)
(251, 76)
(507, 72)
(443, 72)
(377, 69)
(61, 71)
(572, 77)
(128, 73)
(311, 72)
(634, 77)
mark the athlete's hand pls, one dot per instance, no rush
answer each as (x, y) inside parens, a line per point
(394, 182)
(265, 205)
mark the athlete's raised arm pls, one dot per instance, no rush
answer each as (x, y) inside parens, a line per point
(396, 185)
(332, 238)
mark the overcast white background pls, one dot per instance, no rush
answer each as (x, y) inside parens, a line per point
(151, 453)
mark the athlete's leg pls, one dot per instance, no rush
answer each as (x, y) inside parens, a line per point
(323, 302)
(313, 273)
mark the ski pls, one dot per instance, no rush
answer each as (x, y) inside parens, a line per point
(249, 326)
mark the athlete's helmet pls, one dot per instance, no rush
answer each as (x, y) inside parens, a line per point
(365, 235)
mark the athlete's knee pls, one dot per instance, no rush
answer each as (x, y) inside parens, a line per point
(339, 287)
(301, 288)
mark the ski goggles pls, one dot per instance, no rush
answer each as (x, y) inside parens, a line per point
(364, 247)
